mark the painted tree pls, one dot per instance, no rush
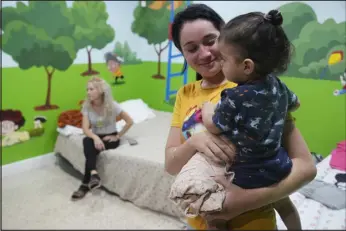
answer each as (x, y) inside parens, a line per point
(124, 51)
(311, 54)
(296, 15)
(39, 35)
(118, 49)
(92, 30)
(152, 24)
(312, 40)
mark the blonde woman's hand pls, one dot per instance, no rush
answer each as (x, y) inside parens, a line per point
(99, 145)
(217, 148)
(111, 138)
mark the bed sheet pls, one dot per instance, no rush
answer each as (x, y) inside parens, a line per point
(313, 214)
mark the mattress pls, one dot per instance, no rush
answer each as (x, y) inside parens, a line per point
(136, 173)
(313, 214)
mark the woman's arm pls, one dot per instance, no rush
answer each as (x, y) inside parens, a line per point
(86, 128)
(128, 122)
(176, 153)
(215, 148)
(303, 171)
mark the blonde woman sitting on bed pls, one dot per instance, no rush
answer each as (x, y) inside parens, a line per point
(100, 113)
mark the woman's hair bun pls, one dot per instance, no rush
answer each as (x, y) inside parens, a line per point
(274, 17)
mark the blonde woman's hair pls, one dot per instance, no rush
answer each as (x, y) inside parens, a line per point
(107, 98)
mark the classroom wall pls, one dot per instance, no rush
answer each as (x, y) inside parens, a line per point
(50, 49)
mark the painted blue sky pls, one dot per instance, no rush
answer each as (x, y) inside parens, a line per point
(121, 18)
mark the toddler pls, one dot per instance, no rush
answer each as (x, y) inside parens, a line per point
(254, 49)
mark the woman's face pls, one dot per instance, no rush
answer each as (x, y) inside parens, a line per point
(198, 40)
(93, 93)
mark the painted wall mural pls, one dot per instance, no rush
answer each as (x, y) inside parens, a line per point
(51, 48)
(343, 85)
(151, 21)
(319, 47)
(114, 66)
(42, 39)
(123, 50)
(11, 123)
(92, 30)
(83, 26)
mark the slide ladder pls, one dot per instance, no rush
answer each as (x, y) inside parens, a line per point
(171, 56)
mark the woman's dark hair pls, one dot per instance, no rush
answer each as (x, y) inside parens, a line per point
(260, 37)
(191, 13)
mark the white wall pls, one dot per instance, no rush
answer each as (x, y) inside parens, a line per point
(121, 18)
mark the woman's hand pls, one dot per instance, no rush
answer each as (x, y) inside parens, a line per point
(111, 138)
(239, 200)
(99, 145)
(234, 203)
(217, 148)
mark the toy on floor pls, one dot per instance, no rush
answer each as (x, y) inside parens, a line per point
(343, 84)
(114, 66)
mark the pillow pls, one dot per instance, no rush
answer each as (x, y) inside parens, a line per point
(138, 110)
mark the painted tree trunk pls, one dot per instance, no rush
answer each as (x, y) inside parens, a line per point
(90, 71)
(159, 52)
(47, 105)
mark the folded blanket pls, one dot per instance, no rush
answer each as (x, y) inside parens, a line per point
(194, 190)
(327, 194)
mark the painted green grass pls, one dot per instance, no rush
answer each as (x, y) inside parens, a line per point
(321, 117)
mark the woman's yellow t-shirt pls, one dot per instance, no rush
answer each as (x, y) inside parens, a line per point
(190, 98)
